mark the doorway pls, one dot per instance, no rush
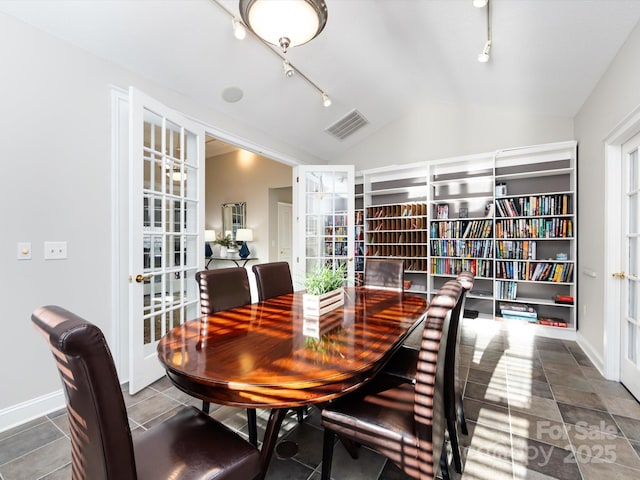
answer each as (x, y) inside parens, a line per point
(285, 232)
(622, 260)
(235, 175)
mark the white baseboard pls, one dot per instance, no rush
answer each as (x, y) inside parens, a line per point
(31, 409)
(593, 355)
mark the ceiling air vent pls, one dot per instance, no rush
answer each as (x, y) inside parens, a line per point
(347, 125)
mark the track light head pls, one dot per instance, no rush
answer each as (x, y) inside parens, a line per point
(485, 55)
(288, 69)
(326, 101)
(238, 29)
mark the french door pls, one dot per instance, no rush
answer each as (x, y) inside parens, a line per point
(630, 322)
(324, 227)
(166, 218)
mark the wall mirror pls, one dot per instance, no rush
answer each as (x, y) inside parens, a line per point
(233, 217)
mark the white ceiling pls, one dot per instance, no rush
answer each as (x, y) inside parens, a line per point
(377, 56)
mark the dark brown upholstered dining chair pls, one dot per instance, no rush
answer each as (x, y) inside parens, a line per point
(384, 273)
(188, 446)
(273, 279)
(402, 365)
(223, 289)
(401, 420)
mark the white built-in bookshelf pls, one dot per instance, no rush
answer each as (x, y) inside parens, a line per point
(509, 217)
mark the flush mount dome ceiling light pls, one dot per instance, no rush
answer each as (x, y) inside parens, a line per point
(287, 23)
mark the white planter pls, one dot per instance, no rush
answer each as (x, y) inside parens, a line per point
(316, 305)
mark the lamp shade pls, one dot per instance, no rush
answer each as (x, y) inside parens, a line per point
(285, 22)
(209, 235)
(244, 235)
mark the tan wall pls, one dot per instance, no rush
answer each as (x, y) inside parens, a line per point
(244, 177)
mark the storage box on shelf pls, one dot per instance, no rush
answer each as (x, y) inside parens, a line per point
(461, 228)
(535, 245)
(396, 221)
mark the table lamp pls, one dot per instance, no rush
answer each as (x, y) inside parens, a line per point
(244, 235)
(209, 236)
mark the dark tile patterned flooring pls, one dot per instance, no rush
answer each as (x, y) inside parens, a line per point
(536, 409)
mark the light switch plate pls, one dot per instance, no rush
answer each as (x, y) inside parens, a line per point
(55, 250)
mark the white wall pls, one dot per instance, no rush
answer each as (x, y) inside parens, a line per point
(437, 131)
(615, 96)
(56, 185)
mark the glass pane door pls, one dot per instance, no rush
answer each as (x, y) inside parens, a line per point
(324, 213)
(630, 334)
(165, 212)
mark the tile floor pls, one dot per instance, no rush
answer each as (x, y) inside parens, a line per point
(536, 409)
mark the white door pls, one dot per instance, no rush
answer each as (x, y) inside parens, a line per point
(166, 218)
(285, 232)
(630, 322)
(324, 223)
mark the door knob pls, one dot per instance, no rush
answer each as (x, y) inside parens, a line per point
(141, 278)
(619, 275)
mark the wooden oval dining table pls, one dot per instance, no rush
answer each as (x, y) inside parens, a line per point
(269, 355)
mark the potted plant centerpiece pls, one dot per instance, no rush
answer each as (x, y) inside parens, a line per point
(225, 243)
(324, 290)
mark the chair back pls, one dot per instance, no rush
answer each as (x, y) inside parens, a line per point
(385, 273)
(273, 279)
(101, 445)
(223, 289)
(429, 412)
(466, 278)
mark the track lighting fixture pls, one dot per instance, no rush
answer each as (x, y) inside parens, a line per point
(480, 3)
(238, 29)
(326, 101)
(484, 56)
(288, 70)
(315, 7)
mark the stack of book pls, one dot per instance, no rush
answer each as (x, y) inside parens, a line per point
(552, 322)
(514, 311)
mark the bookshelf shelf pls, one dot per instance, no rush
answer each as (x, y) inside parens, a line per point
(396, 220)
(536, 173)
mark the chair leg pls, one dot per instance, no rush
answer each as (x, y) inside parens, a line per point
(301, 411)
(327, 453)
(205, 407)
(462, 419)
(252, 426)
(455, 447)
(444, 464)
(352, 447)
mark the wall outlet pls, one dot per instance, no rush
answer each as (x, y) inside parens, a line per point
(55, 250)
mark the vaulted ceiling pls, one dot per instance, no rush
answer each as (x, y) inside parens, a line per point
(379, 57)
